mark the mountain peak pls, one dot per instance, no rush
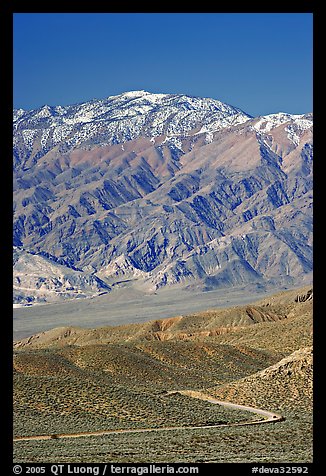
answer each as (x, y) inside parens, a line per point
(136, 93)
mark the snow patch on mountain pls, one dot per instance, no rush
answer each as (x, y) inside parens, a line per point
(270, 121)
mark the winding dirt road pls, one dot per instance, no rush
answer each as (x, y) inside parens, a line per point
(268, 417)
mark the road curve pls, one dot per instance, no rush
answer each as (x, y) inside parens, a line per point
(268, 417)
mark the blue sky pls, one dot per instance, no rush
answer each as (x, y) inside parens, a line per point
(260, 62)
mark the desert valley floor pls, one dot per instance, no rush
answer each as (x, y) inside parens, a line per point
(127, 304)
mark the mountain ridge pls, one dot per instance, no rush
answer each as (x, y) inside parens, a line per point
(166, 189)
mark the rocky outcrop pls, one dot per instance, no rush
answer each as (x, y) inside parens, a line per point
(308, 296)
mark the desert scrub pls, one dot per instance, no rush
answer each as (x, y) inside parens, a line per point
(110, 387)
(48, 411)
(271, 443)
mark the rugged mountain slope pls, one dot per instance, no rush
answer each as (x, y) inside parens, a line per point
(166, 189)
(40, 279)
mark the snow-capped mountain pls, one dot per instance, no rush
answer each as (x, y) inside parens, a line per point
(118, 119)
(166, 189)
